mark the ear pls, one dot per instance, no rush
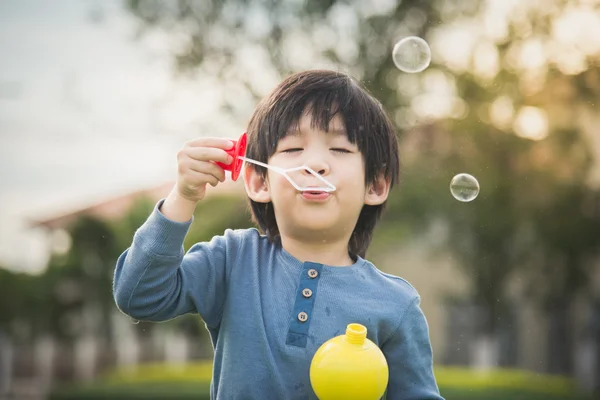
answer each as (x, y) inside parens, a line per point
(256, 186)
(378, 191)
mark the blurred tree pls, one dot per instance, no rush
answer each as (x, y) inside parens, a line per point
(19, 301)
(215, 215)
(54, 302)
(503, 99)
(74, 295)
(79, 282)
(563, 257)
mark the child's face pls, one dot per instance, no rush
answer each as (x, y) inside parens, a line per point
(328, 215)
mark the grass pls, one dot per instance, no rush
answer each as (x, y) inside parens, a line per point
(135, 391)
(192, 381)
(504, 379)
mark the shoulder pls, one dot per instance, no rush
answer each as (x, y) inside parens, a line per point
(238, 238)
(395, 299)
(232, 240)
(243, 243)
(395, 291)
(249, 237)
(397, 288)
(251, 234)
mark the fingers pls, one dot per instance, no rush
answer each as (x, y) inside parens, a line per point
(204, 177)
(203, 167)
(197, 165)
(220, 143)
(208, 168)
(207, 154)
(193, 182)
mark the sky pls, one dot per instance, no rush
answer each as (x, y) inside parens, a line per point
(87, 112)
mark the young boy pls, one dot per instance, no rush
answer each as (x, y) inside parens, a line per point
(271, 300)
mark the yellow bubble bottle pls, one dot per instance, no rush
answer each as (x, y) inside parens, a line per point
(349, 367)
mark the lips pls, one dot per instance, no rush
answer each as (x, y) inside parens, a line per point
(315, 195)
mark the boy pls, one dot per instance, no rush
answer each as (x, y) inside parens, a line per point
(270, 301)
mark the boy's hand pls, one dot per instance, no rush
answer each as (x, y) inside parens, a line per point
(195, 169)
(196, 166)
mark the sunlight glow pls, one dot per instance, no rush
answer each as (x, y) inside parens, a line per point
(502, 112)
(438, 98)
(531, 123)
(60, 241)
(486, 60)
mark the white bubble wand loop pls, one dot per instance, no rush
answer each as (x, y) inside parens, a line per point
(328, 188)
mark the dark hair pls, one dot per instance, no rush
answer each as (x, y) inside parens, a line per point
(324, 94)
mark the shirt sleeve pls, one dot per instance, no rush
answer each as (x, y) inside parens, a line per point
(155, 281)
(410, 359)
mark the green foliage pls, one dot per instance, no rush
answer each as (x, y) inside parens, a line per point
(125, 227)
(19, 295)
(214, 215)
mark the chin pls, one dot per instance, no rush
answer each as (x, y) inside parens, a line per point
(316, 224)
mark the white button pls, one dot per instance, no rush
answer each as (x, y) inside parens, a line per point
(302, 316)
(313, 273)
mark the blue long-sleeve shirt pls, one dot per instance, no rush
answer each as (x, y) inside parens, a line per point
(268, 313)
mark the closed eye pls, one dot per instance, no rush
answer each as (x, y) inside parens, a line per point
(293, 150)
(341, 150)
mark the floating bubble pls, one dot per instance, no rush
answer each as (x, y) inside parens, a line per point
(464, 187)
(411, 54)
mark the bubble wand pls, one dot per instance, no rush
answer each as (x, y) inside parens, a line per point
(239, 150)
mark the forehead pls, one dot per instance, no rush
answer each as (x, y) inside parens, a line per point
(306, 124)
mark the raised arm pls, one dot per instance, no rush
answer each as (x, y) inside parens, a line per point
(155, 281)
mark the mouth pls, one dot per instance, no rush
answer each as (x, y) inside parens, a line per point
(315, 195)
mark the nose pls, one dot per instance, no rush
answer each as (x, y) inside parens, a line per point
(319, 166)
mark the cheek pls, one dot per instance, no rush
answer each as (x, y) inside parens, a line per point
(354, 181)
(277, 183)
(352, 191)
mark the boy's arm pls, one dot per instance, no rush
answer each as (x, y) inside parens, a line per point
(410, 359)
(154, 280)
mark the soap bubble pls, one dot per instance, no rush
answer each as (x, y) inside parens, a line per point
(464, 187)
(411, 54)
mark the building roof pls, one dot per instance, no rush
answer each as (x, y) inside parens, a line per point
(117, 206)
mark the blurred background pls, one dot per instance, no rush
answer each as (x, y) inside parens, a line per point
(96, 98)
